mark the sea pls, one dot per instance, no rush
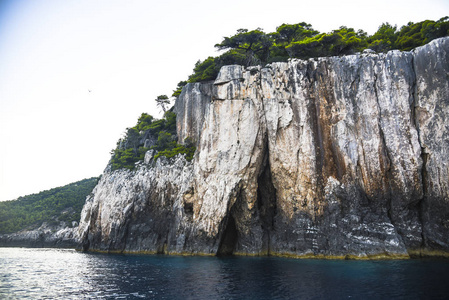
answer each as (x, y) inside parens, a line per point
(27, 273)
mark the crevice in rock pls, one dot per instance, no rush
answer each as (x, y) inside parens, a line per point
(162, 248)
(385, 165)
(229, 236)
(413, 96)
(266, 192)
(387, 172)
(424, 178)
(266, 204)
(424, 156)
(85, 243)
(124, 233)
(126, 236)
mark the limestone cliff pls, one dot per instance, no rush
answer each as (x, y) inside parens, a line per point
(337, 156)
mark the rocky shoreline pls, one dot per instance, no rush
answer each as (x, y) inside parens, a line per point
(46, 236)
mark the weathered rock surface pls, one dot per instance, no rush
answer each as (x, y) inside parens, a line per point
(137, 210)
(431, 64)
(337, 156)
(46, 236)
(192, 110)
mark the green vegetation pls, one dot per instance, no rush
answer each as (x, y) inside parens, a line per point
(174, 149)
(59, 204)
(254, 44)
(300, 40)
(339, 42)
(178, 89)
(159, 135)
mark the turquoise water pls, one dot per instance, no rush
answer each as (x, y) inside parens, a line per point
(67, 274)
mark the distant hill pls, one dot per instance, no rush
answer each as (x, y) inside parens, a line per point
(52, 206)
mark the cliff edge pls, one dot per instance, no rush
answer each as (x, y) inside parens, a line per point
(328, 157)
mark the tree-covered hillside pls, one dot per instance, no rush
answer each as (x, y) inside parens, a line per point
(52, 206)
(255, 47)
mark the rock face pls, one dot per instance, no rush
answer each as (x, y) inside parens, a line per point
(46, 236)
(329, 157)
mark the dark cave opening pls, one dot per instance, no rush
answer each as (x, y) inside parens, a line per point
(229, 239)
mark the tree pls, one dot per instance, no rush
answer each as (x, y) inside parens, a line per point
(254, 42)
(384, 39)
(132, 139)
(144, 122)
(162, 101)
(288, 33)
(342, 41)
(414, 35)
(285, 35)
(204, 70)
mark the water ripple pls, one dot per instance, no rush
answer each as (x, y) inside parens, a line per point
(67, 274)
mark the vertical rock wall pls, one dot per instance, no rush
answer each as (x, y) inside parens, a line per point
(431, 64)
(338, 156)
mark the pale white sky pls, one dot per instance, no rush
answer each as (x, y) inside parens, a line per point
(53, 131)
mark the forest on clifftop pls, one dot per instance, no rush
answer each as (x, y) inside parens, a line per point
(301, 40)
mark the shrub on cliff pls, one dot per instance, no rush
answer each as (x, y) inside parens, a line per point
(178, 89)
(149, 133)
(177, 149)
(208, 69)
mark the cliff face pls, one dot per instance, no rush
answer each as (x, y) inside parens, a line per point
(327, 157)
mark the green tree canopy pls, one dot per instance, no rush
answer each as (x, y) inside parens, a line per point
(251, 42)
(384, 39)
(204, 70)
(300, 40)
(338, 42)
(287, 34)
(417, 34)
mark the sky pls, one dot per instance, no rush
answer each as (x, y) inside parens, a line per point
(74, 74)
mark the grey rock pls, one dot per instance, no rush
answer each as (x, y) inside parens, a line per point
(329, 157)
(190, 113)
(229, 73)
(148, 156)
(369, 51)
(431, 65)
(46, 236)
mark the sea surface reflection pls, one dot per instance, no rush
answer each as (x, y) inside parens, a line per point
(67, 274)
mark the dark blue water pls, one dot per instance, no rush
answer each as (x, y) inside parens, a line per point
(67, 274)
